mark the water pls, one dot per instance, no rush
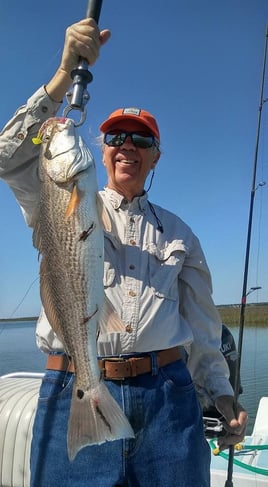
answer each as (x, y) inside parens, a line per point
(18, 349)
(254, 368)
(18, 352)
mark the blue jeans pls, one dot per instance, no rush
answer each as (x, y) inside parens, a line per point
(169, 448)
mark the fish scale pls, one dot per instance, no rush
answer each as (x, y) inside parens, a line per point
(69, 236)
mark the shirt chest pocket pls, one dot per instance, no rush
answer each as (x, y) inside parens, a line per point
(165, 265)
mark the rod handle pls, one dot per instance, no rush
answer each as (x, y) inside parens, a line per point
(81, 76)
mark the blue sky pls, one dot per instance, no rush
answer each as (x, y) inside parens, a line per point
(196, 65)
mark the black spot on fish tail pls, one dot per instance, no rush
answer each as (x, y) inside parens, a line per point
(80, 394)
(103, 418)
(85, 234)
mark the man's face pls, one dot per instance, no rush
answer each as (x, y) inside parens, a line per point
(128, 166)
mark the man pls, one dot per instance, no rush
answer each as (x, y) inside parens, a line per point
(157, 279)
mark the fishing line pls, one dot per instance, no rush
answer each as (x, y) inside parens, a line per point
(259, 236)
(255, 336)
(23, 298)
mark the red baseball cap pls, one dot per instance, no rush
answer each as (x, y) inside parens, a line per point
(137, 114)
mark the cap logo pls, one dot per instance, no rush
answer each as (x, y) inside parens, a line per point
(132, 111)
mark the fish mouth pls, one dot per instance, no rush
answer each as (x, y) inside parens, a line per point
(53, 123)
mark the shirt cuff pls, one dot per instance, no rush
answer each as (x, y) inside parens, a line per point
(41, 106)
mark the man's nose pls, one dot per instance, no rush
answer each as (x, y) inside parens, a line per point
(128, 144)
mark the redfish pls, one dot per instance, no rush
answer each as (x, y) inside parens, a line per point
(69, 236)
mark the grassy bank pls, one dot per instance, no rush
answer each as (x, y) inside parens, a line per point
(255, 315)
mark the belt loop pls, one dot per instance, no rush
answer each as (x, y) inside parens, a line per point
(153, 356)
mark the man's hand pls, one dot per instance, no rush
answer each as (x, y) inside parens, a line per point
(235, 425)
(82, 39)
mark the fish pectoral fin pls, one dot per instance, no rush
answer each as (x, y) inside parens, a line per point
(95, 417)
(74, 202)
(103, 214)
(37, 238)
(109, 320)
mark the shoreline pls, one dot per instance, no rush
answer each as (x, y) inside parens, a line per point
(256, 314)
(24, 318)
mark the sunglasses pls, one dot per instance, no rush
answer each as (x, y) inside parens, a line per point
(137, 139)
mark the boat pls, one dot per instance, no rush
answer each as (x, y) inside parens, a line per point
(19, 395)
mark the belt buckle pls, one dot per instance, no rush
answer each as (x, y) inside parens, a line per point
(111, 359)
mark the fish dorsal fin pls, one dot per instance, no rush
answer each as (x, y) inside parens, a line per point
(103, 214)
(109, 320)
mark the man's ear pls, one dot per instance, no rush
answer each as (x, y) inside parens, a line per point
(103, 160)
(155, 159)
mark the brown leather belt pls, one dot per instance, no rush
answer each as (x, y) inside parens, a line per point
(119, 368)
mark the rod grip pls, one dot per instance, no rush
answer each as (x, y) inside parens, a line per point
(81, 76)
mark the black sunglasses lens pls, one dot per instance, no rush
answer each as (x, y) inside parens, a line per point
(142, 141)
(114, 140)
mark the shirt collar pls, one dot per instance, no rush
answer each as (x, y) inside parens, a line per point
(118, 201)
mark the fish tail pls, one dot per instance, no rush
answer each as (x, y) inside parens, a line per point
(95, 417)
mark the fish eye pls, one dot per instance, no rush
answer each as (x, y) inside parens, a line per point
(48, 154)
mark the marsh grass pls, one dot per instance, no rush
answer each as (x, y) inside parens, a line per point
(255, 315)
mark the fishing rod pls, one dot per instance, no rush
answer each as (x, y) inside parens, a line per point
(80, 75)
(229, 481)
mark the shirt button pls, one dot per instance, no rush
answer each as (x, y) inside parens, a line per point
(132, 242)
(129, 328)
(132, 294)
(20, 136)
(132, 267)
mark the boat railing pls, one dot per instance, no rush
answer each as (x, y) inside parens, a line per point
(23, 375)
(19, 397)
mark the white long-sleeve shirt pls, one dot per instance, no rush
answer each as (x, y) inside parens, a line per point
(158, 282)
